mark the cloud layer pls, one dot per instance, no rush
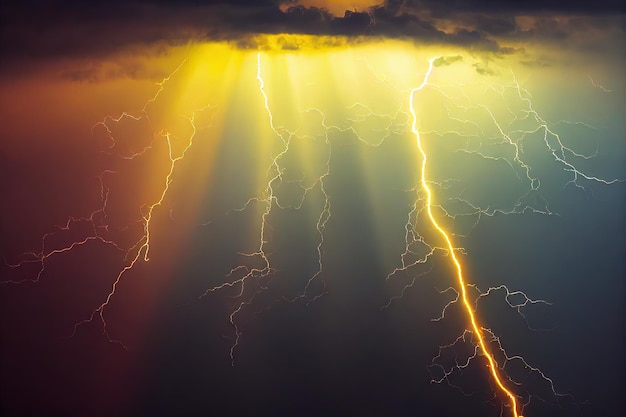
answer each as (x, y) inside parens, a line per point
(43, 29)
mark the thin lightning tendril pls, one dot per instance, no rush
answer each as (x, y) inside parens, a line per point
(143, 244)
(140, 250)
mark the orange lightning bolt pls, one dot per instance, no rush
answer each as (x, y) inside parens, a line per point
(475, 324)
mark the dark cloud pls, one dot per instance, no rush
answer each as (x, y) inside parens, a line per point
(483, 69)
(444, 61)
(495, 25)
(521, 6)
(35, 29)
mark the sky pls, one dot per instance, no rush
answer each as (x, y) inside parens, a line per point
(222, 208)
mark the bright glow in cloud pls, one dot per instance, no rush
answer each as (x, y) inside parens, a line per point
(336, 7)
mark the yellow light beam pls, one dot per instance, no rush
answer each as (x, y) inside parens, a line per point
(476, 328)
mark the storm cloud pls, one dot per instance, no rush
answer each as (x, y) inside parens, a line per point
(38, 29)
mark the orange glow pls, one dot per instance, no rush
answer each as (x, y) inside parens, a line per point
(336, 7)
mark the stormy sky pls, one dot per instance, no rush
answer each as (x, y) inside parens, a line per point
(34, 29)
(104, 105)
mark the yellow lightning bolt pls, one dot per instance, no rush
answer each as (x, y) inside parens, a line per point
(471, 315)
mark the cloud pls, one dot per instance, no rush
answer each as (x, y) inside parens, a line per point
(38, 29)
(335, 7)
(444, 61)
(520, 7)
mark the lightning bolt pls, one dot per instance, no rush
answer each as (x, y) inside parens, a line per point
(462, 284)
(599, 86)
(271, 202)
(142, 246)
(270, 199)
(139, 251)
(419, 250)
